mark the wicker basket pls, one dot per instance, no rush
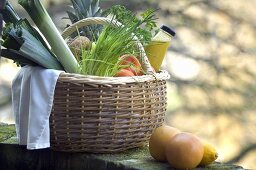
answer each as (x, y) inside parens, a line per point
(106, 114)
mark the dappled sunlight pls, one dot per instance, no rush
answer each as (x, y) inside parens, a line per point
(217, 100)
(182, 67)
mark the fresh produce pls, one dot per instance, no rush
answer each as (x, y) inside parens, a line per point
(112, 43)
(1, 20)
(17, 57)
(78, 44)
(2, 4)
(92, 50)
(124, 73)
(8, 13)
(43, 21)
(23, 43)
(159, 140)
(130, 66)
(82, 9)
(210, 154)
(131, 63)
(180, 149)
(184, 151)
(127, 17)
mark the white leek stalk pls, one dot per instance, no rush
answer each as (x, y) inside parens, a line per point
(45, 24)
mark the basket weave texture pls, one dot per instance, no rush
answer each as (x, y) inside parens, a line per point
(106, 114)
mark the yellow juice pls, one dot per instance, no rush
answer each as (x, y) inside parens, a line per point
(156, 51)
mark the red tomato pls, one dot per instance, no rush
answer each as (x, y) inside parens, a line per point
(124, 73)
(132, 64)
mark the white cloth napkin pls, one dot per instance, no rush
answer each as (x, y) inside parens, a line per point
(32, 97)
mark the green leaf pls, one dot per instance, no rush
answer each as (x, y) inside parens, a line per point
(127, 17)
(18, 58)
(84, 9)
(41, 18)
(21, 40)
(95, 4)
(73, 18)
(9, 14)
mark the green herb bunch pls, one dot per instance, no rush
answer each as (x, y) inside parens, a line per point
(113, 42)
(145, 22)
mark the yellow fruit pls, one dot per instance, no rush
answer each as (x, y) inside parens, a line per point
(159, 139)
(184, 151)
(210, 154)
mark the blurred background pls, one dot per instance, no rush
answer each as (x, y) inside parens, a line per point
(212, 62)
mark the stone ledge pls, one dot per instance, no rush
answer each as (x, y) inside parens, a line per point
(13, 156)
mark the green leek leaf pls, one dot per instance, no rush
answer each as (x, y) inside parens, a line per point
(18, 58)
(45, 24)
(21, 40)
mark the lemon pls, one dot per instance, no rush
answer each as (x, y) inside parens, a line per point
(210, 154)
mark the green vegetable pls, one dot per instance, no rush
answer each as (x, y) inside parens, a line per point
(25, 44)
(113, 42)
(45, 24)
(2, 4)
(9, 14)
(17, 57)
(144, 32)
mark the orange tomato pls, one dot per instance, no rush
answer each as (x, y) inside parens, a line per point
(124, 73)
(132, 64)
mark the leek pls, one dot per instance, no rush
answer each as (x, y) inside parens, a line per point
(24, 43)
(18, 39)
(17, 57)
(2, 4)
(9, 15)
(45, 24)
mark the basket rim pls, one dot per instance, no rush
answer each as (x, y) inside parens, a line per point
(108, 81)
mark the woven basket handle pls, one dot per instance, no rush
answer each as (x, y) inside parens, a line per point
(106, 21)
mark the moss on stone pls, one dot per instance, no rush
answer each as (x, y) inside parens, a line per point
(6, 132)
(12, 140)
(129, 154)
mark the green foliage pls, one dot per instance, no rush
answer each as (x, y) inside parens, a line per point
(20, 39)
(82, 9)
(145, 24)
(43, 21)
(114, 42)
